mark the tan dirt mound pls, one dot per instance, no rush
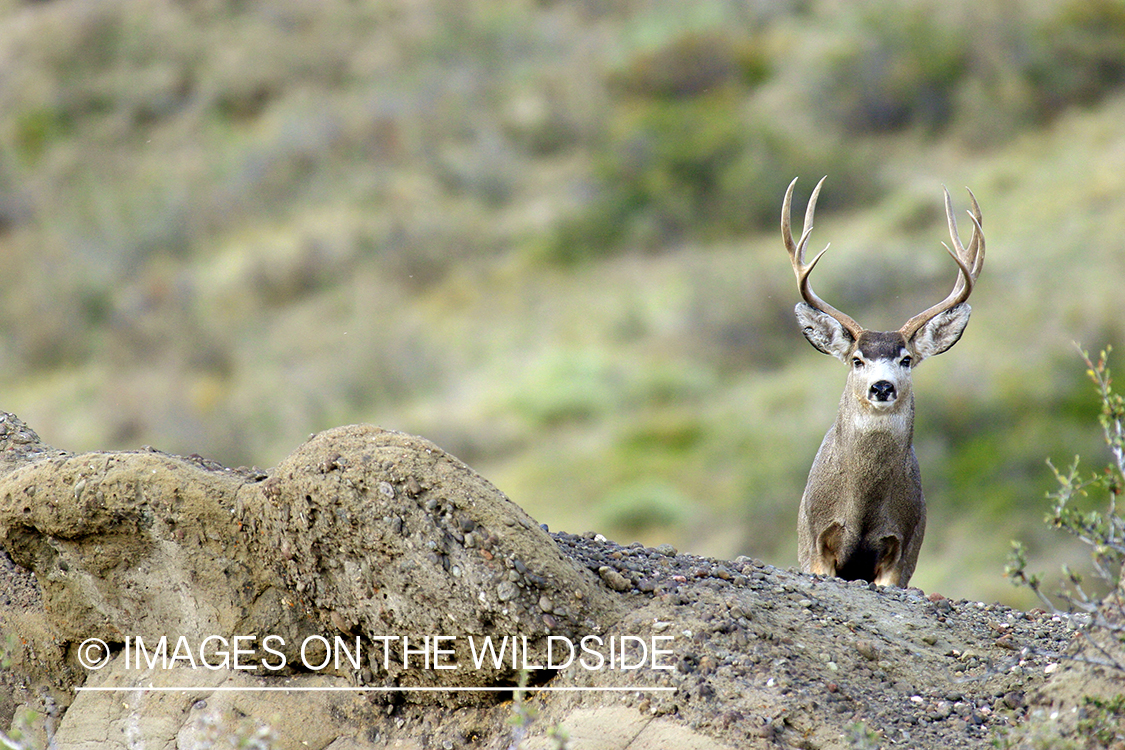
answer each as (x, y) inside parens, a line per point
(383, 540)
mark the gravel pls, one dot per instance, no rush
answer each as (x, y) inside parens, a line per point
(800, 659)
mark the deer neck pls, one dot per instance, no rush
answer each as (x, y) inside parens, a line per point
(858, 424)
(876, 443)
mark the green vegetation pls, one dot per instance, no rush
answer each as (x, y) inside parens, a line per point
(1100, 723)
(686, 152)
(544, 236)
(22, 733)
(861, 738)
(524, 715)
(1103, 532)
(985, 72)
(1098, 606)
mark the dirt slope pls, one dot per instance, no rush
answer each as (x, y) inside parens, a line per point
(383, 540)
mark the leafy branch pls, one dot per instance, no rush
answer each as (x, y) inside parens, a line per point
(1102, 616)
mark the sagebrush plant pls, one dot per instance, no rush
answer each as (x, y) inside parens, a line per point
(1102, 609)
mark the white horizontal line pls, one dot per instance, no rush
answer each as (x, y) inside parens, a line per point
(327, 689)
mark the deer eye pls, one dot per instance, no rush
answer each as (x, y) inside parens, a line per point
(857, 363)
(906, 361)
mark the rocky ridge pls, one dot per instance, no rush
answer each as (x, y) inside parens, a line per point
(375, 537)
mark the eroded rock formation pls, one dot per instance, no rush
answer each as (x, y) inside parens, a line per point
(373, 536)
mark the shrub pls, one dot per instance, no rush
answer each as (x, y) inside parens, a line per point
(1102, 532)
(1082, 55)
(896, 69)
(982, 72)
(1100, 617)
(693, 64)
(701, 167)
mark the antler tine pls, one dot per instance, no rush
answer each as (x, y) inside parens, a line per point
(797, 257)
(978, 237)
(969, 262)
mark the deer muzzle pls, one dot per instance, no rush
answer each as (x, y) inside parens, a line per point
(882, 390)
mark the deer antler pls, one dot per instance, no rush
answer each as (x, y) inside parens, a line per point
(802, 269)
(969, 263)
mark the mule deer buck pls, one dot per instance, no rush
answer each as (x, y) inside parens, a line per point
(863, 514)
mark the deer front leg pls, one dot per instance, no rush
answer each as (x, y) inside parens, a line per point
(888, 569)
(826, 557)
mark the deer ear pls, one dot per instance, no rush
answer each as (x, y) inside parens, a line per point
(824, 332)
(941, 332)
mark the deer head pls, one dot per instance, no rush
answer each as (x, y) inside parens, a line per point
(863, 513)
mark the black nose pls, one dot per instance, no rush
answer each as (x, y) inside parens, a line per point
(882, 390)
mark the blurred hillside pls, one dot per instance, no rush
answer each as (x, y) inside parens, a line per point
(544, 235)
